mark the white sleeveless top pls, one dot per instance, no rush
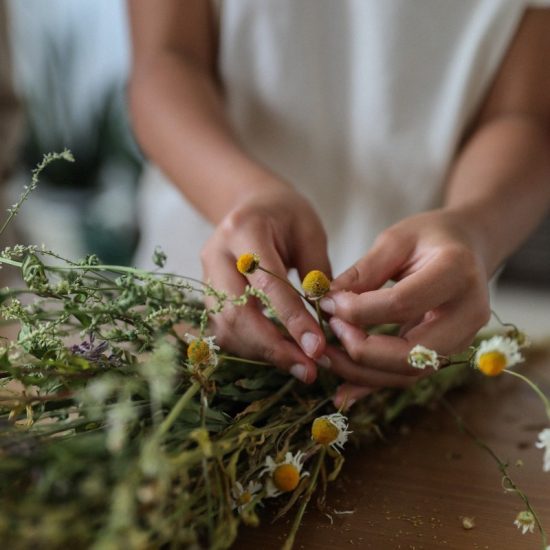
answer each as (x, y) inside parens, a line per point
(359, 103)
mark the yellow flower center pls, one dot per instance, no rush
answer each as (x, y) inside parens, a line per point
(492, 363)
(323, 431)
(198, 352)
(316, 284)
(286, 477)
(248, 263)
(245, 498)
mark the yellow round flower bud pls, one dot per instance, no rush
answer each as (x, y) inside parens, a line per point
(323, 431)
(492, 363)
(286, 477)
(248, 263)
(244, 498)
(198, 352)
(316, 284)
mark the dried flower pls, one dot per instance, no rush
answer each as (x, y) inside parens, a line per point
(248, 263)
(201, 351)
(520, 337)
(525, 521)
(496, 354)
(242, 497)
(544, 443)
(331, 430)
(468, 522)
(283, 476)
(316, 284)
(159, 257)
(89, 350)
(421, 357)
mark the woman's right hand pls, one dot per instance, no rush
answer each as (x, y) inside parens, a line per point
(281, 227)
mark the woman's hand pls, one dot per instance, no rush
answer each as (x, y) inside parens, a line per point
(439, 299)
(280, 226)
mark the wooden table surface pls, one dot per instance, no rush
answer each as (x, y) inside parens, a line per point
(411, 491)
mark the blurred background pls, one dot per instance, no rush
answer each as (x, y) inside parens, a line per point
(70, 64)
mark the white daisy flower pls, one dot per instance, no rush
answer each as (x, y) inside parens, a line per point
(496, 354)
(421, 357)
(283, 476)
(525, 521)
(201, 351)
(242, 496)
(544, 443)
(331, 429)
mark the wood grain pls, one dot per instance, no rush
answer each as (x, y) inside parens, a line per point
(412, 491)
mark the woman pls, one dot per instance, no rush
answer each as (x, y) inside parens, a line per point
(412, 137)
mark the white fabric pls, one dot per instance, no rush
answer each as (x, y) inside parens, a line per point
(359, 103)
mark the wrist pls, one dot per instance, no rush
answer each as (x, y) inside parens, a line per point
(478, 229)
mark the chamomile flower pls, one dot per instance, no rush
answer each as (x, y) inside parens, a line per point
(201, 351)
(248, 263)
(421, 357)
(496, 354)
(330, 430)
(242, 496)
(525, 521)
(283, 476)
(544, 443)
(316, 284)
(520, 337)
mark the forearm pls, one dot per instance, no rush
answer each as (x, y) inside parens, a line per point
(500, 185)
(179, 120)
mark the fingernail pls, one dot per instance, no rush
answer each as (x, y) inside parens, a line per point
(337, 326)
(310, 342)
(324, 362)
(327, 305)
(299, 372)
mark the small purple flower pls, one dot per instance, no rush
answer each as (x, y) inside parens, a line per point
(89, 351)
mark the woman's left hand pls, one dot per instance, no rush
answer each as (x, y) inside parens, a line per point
(439, 299)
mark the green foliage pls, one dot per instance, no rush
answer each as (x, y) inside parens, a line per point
(110, 438)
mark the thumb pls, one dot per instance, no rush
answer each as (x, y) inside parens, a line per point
(382, 262)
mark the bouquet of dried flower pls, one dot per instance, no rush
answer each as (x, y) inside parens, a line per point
(123, 424)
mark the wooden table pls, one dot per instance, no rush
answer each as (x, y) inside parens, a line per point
(412, 491)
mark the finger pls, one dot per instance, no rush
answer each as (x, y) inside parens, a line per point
(288, 305)
(380, 264)
(267, 345)
(363, 375)
(434, 284)
(235, 322)
(386, 353)
(452, 327)
(347, 395)
(312, 255)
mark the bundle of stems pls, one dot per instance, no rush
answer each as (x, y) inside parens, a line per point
(115, 433)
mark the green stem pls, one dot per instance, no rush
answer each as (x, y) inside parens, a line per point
(534, 387)
(9, 261)
(502, 466)
(289, 542)
(501, 322)
(110, 268)
(240, 360)
(283, 280)
(177, 409)
(249, 419)
(320, 318)
(47, 159)
(205, 469)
